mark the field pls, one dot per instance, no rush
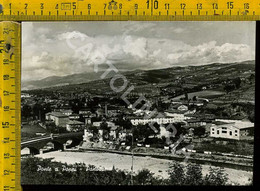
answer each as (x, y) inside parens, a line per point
(202, 94)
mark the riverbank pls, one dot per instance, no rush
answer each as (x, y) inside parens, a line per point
(123, 162)
(192, 157)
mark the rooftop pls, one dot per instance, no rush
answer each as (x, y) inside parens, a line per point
(75, 123)
(57, 114)
(236, 123)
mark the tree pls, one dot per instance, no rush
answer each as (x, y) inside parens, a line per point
(144, 177)
(194, 98)
(37, 111)
(216, 177)
(252, 77)
(176, 173)
(93, 129)
(142, 131)
(229, 88)
(104, 126)
(194, 174)
(81, 118)
(237, 82)
(157, 128)
(199, 131)
(26, 111)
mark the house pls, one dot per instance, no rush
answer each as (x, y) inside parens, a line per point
(74, 117)
(109, 124)
(175, 118)
(58, 118)
(67, 112)
(113, 131)
(85, 111)
(74, 126)
(232, 129)
(87, 120)
(195, 123)
(178, 106)
(87, 135)
(182, 108)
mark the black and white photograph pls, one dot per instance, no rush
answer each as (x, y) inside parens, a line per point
(138, 103)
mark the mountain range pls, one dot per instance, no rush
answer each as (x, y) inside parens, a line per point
(150, 76)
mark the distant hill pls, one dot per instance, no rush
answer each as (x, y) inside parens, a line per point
(54, 81)
(142, 77)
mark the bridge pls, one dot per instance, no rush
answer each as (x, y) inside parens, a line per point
(58, 140)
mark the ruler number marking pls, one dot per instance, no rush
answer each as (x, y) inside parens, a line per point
(155, 4)
(6, 155)
(25, 5)
(230, 5)
(42, 6)
(6, 62)
(6, 140)
(183, 5)
(199, 6)
(148, 3)
(74, 5)
(246, 5)
(6, 93)
(6, 77)
(215, 6)
(6, 172)
(6, 108)
(5, 125)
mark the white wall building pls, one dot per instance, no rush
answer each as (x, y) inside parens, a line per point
(175, 118)
(231, 129)
(58, 118)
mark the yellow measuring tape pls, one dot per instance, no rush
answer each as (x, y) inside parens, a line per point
(162, 10)
(9, 105)
(56, 10)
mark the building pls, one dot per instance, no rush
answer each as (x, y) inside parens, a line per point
(85, 111)
(74, 126)
(58, 118)
(87, 135)
(231, 129)
(109, 124)
(178, 106)
(67, 112)
(87, 120)
(175, 118)
(195, 123)
(74, 117)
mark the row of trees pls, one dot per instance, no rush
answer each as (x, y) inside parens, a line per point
(179, 174)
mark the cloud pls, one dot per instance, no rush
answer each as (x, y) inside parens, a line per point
(209, 52)
(135, 46)
(48, 51)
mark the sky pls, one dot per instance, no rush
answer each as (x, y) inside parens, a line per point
(56, 48)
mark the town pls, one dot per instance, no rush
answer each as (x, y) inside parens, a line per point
(209, 120)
